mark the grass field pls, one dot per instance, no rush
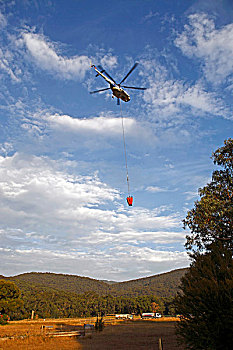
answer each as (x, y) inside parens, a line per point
(138, 334)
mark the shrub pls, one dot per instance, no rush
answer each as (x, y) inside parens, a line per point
(4, 319)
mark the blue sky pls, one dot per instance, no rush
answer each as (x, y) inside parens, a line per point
(62, 169)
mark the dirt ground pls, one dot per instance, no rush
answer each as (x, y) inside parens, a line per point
(134, 335)
(130, 335)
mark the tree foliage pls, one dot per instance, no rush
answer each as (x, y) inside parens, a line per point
(206, 301)
(57, 304)
(10, 299)
(211, 218)
(206, 298)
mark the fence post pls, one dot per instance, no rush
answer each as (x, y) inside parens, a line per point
(160, 344)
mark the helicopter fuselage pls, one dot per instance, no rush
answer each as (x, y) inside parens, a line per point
(118, 92)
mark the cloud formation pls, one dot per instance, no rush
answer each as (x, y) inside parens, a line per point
(99, 125)
(156, 189)
(3, 21)
(169, 98)
(34, 181)
(214, 47)
(46, 210)
(44, 54)
(117, 264)
(105, 125)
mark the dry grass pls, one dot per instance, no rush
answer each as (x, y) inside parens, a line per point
(27, 335)
(40, 343)
(128, 335)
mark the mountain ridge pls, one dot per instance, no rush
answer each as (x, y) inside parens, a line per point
(163, 284)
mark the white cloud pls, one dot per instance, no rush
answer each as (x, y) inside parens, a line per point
(214, 46)
(156, 189)
(8, 66)
(168, 100)
(5, 148)
(152, 255)
(150, 15)
(44, 53)
(3, 21)
(119, 264)
(49, 214)
(197, 98)
(93, 132)
(108, 60)
(104, 125)
(191, 195)
(34, 187)
(99, 125)
(131, 236)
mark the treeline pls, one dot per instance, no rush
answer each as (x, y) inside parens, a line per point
(57, 304)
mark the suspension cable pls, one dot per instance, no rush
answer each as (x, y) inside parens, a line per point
(126, 165)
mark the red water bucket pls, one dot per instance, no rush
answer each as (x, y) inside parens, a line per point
(130, 200)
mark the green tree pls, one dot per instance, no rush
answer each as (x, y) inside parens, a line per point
(206, 298)
(10, 299)
(211, 218)
(206, 301)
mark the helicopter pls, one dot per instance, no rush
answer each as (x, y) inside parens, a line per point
(117, 90)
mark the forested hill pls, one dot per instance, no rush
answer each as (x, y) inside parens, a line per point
(61, 282)
(163, 285)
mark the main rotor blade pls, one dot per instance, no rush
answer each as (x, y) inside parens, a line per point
(104, 71)
(93, 92)
(134, 66)
(133, 87)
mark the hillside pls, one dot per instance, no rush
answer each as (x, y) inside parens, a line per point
(53, 295)
(61, 282)
(163, 285)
